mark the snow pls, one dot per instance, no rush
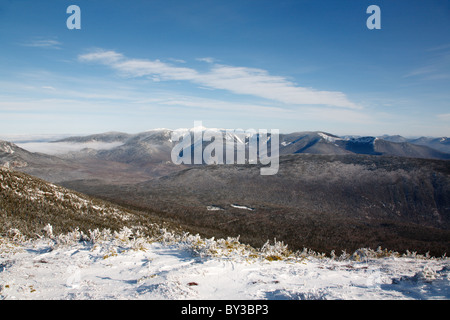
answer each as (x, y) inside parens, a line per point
(327, 137)
(237, 206)
(232, 135)
(6, 147)
(213, 208)
(115, 267)
(368, 140)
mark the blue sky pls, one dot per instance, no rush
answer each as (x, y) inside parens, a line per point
(287, 65)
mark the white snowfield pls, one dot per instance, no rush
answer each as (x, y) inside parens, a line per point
(120, 265)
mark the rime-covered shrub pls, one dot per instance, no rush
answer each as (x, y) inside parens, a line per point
(276, 251)
(111, 244)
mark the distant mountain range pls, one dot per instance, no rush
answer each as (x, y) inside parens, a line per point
(122, 158)
(441, 144)
(325, 143)
(155, 145)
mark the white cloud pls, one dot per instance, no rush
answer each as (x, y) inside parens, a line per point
(46, 43)
(206, 59)
(421, 71)
(49, 88)
(106, 57)
(176, 60)
(260, 83)
(239, 80)
(138, 68)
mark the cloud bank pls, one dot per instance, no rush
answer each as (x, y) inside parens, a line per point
(58, 148)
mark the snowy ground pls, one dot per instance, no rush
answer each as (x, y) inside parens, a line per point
(117, 266)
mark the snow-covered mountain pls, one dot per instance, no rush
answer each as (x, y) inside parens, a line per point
(325, 143)
(12, 156)
(438, 143)
(441, 144)
(123, 158)
(154, 146)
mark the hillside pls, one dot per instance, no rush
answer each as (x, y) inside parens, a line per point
(28, 204)
(321, 202)
(83, 164)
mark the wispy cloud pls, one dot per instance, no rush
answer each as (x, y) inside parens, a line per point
(43, 43)
(430, 72)
(49, 88)
(206, 59)
(176, 60)
(440, 48)
(239, 80)
(436, 68)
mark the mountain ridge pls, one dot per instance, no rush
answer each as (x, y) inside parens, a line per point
(147, 155)
(158, 143)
